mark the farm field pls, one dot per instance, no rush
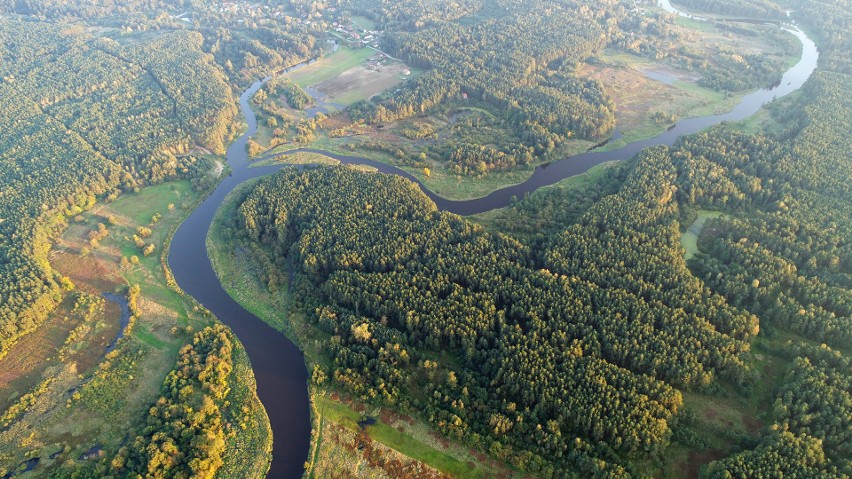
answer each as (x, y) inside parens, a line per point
(328, 86)
(360, 83)
(349, 75)
(330, 66)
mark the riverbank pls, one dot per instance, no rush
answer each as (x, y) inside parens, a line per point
(278, 363)
(550, 173)
(76, 393)
(241, 266)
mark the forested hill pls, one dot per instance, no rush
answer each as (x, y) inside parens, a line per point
(404, 283)
(85, 118)
(572, 353)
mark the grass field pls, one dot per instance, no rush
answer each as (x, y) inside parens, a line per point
(360, 83)
(637, 96)
(363, 23)
(331, 66)
(300, 158)
(398, 439)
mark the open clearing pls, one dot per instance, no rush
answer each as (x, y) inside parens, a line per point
(349, 75)
(360, 83)
(641, 88)
(330, 67)
(689, 238)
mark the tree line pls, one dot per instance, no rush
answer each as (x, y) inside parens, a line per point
(63, 149)
(556, 364)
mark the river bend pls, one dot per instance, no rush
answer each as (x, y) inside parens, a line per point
(278, 365)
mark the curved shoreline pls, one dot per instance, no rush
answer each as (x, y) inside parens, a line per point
(555, 171)
(279, 366)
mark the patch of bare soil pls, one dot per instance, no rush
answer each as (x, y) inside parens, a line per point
(752, 424)
(89, 274)
(23, 365)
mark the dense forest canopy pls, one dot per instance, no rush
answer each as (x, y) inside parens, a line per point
(248, 40)
(564, 345)
(406, 282)
(602, 295)
(86, 118)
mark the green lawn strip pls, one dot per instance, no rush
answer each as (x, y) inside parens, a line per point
(331, 66)
(695, 24)
(592, 175)
(490, 219)
(317, 422)
(440, 181)
(350, 97)
(387, 435)
(300, 158)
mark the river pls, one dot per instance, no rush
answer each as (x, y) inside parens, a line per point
(278, 365)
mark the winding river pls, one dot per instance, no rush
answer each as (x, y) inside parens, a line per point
(279, 366)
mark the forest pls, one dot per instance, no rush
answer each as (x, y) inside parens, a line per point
(63, 150)
(429, 312)
(570, 337)
(248, 43)
(480, 54)
(609, 304)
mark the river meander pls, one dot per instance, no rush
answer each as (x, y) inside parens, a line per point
(278, 365)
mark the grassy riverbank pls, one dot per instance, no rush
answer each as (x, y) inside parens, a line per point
(64, 397)
(240, 267)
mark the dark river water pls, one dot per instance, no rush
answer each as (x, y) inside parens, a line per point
(278, 364)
